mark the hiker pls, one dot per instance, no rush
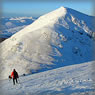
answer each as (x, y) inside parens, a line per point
(14, 75)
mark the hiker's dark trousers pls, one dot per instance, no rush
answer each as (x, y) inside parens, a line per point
(15, 79)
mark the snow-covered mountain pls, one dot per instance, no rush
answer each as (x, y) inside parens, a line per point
(69, 80)
(11, 25)
(59, 38)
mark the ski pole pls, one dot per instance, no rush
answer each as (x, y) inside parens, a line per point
(18, 80)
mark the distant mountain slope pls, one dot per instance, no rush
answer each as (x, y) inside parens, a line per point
(69, 80)
(12, 25)
(59, 38)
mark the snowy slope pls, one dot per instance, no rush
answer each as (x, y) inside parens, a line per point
(12, 25)
(59, 38)
(69, 80)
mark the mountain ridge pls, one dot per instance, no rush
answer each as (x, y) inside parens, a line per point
(54, 40)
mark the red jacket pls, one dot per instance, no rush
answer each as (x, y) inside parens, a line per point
(14, 74)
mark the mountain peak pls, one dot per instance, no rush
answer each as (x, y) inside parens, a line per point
(62, 7)
(56, 13)
(56, 39)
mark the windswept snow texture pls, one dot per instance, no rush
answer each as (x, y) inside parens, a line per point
(12, 25)
(59, 38)
(68, 80)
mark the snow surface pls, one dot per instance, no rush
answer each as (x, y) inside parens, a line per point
(69, 80)
(59, 38)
